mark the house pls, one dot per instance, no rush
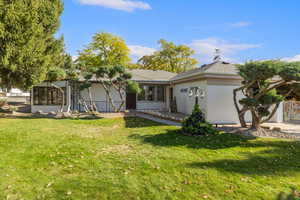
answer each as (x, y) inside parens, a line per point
(154, 95)
(15, 95)
(160, 91)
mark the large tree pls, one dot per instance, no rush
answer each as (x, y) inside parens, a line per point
(28, 46)
(170, 57)
(105, 50)
(104, 59)
(266, 84)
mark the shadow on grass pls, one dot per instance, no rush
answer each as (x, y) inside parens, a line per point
(294, 195)
(176, 138)
(273, 156)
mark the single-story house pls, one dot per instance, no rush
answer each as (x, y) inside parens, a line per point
(160, 91)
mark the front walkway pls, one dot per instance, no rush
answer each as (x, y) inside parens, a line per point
(176, 117)
(157, 119)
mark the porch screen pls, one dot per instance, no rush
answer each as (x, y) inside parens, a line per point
(48, 96)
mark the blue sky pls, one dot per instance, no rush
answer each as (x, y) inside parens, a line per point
(242, 29)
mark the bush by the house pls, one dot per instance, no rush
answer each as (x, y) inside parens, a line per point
(196, 124)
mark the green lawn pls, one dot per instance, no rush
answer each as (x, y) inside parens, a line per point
(138, 159)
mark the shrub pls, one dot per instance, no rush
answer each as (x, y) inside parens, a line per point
(196, 124)
(13, 108)
(2, 102)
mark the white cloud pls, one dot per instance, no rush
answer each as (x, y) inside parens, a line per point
(205, 49)
(125, 5)
(292, 59)
(137, 51)
(240, 24)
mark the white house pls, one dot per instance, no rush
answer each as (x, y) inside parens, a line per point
(160, 89)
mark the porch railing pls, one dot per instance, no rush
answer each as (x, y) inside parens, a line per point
(102, 106)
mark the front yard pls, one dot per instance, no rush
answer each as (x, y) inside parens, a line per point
(137, 159)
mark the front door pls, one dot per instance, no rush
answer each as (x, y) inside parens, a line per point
(130, 101)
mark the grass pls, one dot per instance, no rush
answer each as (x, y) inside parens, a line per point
(137, 159)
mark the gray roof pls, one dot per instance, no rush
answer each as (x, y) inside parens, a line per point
(220, 67)
(159, 76)
(143, 75)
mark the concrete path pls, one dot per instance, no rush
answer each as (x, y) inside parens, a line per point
(291, 128)
(156, 119)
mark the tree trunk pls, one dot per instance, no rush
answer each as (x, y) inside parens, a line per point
(242, 120)
(241, 113)
(92, 103)
(256, 121)
(110, 99)
(120, 92)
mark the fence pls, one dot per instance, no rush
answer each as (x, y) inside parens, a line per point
(292, 111)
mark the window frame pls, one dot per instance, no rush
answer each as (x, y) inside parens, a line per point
(145, 96)
(52, 96)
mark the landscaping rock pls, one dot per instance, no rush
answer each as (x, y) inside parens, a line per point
(39, 112)
(52, 113)
(67, 115)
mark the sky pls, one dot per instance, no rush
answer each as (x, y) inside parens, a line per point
(242, 29)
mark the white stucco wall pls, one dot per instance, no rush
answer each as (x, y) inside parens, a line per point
(185, 104)
(47, 108)
(220, 104)
(278, 117)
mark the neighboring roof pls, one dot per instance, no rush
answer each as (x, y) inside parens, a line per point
(216, 68)
(142, 75)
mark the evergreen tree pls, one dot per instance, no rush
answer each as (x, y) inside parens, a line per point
(266, 84)
(28, 46)
(196, 124)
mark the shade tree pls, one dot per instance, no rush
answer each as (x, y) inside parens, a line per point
(266, 84)
(170, 57)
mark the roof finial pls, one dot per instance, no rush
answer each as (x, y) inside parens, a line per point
(217, 57)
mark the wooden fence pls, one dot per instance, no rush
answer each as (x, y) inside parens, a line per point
(292, 111)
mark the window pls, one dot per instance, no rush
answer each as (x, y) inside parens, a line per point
(142, 94)
(152, 93)
(160, 93)
(48, 96)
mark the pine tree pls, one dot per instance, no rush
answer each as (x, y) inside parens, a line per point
(28, 46)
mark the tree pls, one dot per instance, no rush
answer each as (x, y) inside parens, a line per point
(105, 50)
(196, 124)
(28, 46)
(171, 57)
(116, 78)
(57, 74)
(266, 84)
(63, 70)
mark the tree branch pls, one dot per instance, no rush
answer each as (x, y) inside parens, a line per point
(272, 113)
